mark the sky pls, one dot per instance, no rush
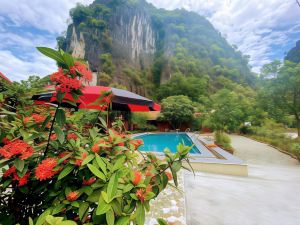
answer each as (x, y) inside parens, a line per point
(263, 29)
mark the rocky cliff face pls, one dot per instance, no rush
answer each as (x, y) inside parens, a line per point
(130, 30)
(133, 44)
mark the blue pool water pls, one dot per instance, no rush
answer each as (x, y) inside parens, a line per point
(158, 142)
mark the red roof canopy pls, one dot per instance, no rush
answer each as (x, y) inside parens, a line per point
(5, 78)
(122, 100)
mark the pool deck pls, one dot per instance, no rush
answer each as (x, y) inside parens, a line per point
(213, 159)
(216, 159)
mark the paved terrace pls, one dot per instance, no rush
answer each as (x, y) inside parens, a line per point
(270, 195)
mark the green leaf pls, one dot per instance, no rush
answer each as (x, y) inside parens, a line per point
(105, 197)
(19, 164)
(133, 196)
(68, 59)
(6, 183)
(119, 163)
(53, 220)
(110, 217)
(43, 216)
(101, 164)
(75, 204)
(87, 190)
(140, 214)
(46, 121)
(68, 169)
(58, 208)
(112, 186)
(162, 221)
(51, 53)
(87, 159)
(103, 122)
(68, 222)
(60, 96)
(149, 196)
(124, 220)
(60, 134)
(174, 174)
(60, 117)
(30, 221)
(164, 179)
(96, 172)
(83, 207)
(127, 188)
(103, 207)
(176, 166)
(93, 133)
(116, 207)
(94, 197)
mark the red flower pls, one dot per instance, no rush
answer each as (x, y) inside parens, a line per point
(27, 120)
(44, 170)
(140, 194)
(23, 180)
(67, 84)
(10, 171)
(89, 181)
(78, 162)
(5, 141)
(72, 136)
(38, 118)
(17, 147)
(148, 173)
(148, 188)
(56, 77)
(121, 144)
(169, 175)
(83, 70)
(137, 143)
(95, 148)
(137, 178)
(53, 137)
(72, 196)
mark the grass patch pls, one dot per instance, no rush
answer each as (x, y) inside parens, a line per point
(223, 140)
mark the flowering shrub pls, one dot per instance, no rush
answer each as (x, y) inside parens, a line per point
(55, 172)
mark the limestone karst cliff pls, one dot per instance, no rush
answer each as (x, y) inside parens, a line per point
(133, 44)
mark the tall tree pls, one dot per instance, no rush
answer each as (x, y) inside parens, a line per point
(285, 90)
(177, 110)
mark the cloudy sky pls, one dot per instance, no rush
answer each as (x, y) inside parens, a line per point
(263, 29)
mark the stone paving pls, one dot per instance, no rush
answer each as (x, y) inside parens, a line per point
(169, 205)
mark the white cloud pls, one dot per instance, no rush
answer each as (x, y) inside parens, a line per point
(17, 69)
(50, 15)
(18, 55)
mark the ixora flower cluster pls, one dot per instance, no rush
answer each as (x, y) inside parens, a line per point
(56, 172)
(68, 80)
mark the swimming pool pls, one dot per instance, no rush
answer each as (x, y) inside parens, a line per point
(159, 141)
